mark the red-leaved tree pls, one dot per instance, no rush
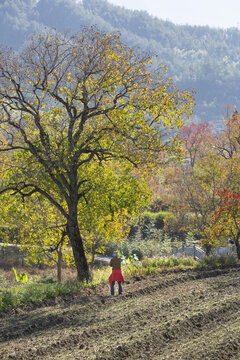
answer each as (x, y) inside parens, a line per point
(226, 220)
(193, 137)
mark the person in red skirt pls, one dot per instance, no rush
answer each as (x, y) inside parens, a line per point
(116, 274)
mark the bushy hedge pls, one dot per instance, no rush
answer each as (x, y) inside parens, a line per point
(157, 218)
(146, 220)
(213, 262)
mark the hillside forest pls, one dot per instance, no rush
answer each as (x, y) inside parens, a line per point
(199, 57)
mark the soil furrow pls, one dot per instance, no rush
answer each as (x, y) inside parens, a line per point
(222, 342)
(157, 336)
(156, 317)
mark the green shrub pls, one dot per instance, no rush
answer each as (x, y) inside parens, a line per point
(23, 278)
(157, 218)
(8, 300)
(216, 261)
(146, 222)
(3, 281)
(158, 246)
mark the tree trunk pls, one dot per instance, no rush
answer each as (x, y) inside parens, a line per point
(78, 250)
(237, 246)
(208, 248)
(59, 264)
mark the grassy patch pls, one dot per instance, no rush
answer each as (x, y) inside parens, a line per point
(213, 262)
(156, 265)
(37, 291)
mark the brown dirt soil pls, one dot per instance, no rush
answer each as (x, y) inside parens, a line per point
(176, 315)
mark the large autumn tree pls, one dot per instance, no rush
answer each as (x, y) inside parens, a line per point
(66, 103)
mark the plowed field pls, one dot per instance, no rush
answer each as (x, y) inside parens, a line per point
(182, 315)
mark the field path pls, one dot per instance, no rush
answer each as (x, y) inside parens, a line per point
(184, 315)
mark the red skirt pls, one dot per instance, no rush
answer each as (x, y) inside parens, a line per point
(116, 275)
